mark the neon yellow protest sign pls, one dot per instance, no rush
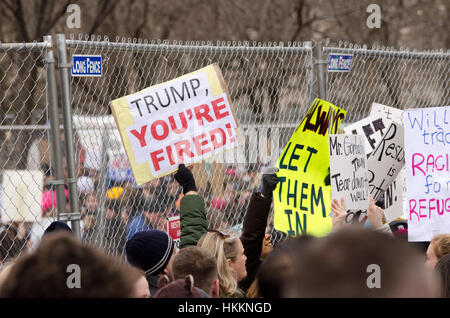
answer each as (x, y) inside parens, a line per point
(301, 199)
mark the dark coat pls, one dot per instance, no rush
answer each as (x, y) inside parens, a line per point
(253, 231)
(192, 220)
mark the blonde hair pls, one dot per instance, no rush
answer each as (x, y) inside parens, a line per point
(223, 246)
(441, 245)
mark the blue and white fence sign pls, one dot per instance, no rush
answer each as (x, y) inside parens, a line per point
(339, 62)
(87, 65)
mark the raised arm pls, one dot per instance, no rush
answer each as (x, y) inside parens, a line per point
(192, 209)
(254, 226)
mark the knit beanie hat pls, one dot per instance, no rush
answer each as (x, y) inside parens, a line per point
(57, 226)
(181, 288)
(150, 251)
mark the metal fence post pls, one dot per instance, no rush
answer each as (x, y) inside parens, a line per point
(321, 71)
(54, 128)
(310, 70)
(102, 189)
(63, 65)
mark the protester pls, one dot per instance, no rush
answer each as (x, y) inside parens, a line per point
(140, 286)
(148, 217)
(13, 241)
(45, 272)
(442, 268)
(90, 218)
(228, 248)
(153, 252)
(201, 264)
(438, 247)
(357, 262)
(230, 257)
(254, 227)
(278, 268)
(114, 228)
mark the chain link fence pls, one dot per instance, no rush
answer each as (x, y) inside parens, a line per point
(25, 158)
(271, 86)
(267, 85)
(401, 79)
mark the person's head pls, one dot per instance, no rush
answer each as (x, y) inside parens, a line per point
(358, 262)
(230, 258)
(56, 226)
(50, 213)
(61, 266)
(152, 251)
(151, 210)
(279, 266)
(181, 288)
(112, 208)
(442, 269)
(201, 264)
(10, 246)
(5, 269)
(140, 284)
(91, 202)
(439, 246)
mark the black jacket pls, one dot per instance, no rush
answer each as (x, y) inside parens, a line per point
(253, 231)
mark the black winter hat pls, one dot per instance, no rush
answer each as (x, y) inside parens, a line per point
(150, 251)
(57, 226)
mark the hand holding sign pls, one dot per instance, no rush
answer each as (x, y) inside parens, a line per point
(375, 214)
(339, 212)
(185, 178)
(269, 182)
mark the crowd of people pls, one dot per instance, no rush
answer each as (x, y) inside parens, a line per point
(220, 261)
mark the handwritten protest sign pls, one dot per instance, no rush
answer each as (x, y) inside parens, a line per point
(395, 198)
(427, 147)
(390, 113)
(184, 120)
(395, 194)
(373, 128)
(22, 195)
(301, 199)
(386, 161)
(348, 171)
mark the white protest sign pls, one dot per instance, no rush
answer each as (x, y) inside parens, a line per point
(427, 147)
(186, 120)
(22, 195)
(395, 198)
(386, 161)
(395, 195)
(348, 171)
(390, 113)
(372, 127)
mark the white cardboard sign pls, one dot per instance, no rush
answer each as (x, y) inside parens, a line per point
(372, 127)
(22, 195)
(427, 148)
(387, 112)
(386, 161)
(348, 170)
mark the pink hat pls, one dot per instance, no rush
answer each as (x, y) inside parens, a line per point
(49, 199)
(218, 204)
(231, 172)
